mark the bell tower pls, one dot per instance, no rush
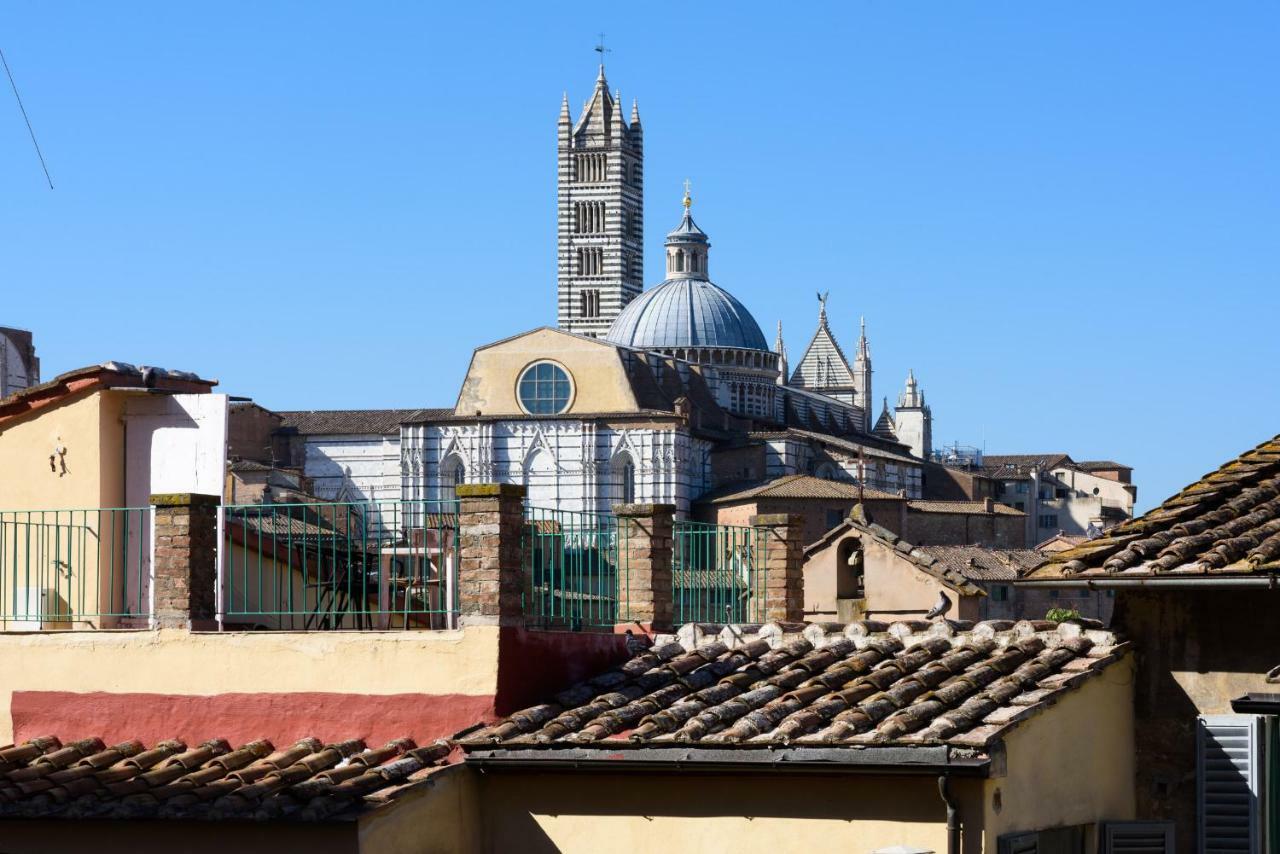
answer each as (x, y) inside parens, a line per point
(600, 211)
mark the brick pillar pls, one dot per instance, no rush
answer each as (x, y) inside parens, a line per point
(184, 566)
(490, 565)
(646, 553)
(783, 557)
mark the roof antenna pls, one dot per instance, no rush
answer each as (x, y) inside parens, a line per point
(25, 118)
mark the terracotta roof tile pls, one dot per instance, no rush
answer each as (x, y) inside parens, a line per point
(963, 507)
(796, 486)
(864, 683)
(1226, 523)
(338, 422)
(304, 781)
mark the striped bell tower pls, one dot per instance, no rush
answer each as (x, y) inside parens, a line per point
(600, 212)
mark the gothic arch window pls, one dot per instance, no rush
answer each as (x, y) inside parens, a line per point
(623, 471)
(453, 473)
(540, 479)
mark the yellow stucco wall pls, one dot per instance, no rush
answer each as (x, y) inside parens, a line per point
(174, 661)
(892, 583)
(599, 379)
(1071, 764)
(61, 553)
(742, 812)
(77, 424)
(441, 817)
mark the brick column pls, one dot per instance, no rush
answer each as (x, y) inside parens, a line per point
(645, 551)
(184, 565)
(783, 560)
(490, 565)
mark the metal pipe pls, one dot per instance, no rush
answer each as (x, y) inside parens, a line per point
(953, 816)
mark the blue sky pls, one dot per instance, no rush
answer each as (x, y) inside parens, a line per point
(1063, 216)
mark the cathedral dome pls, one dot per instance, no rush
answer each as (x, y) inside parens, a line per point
(686, 312)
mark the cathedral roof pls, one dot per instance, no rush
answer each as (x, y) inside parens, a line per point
(823, 365)
(884, 424)
(686, 312)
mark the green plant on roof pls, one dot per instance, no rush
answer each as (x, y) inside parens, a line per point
(1061, 615)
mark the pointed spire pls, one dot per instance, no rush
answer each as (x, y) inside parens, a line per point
(564, 109)
(912, 397)
(863, 351)
(780, 348)
(635, 111)
(884, 424)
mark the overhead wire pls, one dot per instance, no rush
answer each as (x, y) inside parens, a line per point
(31, 130)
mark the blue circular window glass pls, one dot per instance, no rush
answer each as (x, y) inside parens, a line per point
(544, 389)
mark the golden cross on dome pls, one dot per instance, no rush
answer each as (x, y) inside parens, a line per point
(688, 199)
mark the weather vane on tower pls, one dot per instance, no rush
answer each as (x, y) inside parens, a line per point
(688, 199)
(602, 50)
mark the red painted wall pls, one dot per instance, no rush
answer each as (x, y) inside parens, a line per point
(240, 718)
(534, 665)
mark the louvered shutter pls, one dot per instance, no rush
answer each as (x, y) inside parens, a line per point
(1227, 772)
(1137, 837)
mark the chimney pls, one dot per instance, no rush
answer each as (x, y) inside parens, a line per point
(988, 505)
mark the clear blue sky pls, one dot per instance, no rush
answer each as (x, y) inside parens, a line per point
(1063, 216)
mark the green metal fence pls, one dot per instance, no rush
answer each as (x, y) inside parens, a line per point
(82, 568)
(719, 573)
(575, 568)
(340, 565)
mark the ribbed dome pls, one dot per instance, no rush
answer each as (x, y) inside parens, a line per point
(686, 312)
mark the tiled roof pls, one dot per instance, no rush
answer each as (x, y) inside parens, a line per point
(351, 422)
(864, 684)
(797, 486)
(1226, 523)
(948, 564)
(1102, 465)
(1043, 461)
(977, 563)
(963, 507)
(305, 781)
(872, 446)
(105, 376)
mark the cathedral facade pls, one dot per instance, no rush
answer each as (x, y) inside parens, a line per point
(642, 395)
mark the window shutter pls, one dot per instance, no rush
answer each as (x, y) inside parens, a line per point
(1137, 837)
(1227, 772)
(1018, 843)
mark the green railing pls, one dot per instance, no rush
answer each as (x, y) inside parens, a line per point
(340, 565)
(575, 568)
(718, 573)
(82, 568)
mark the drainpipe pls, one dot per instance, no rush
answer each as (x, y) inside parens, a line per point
(953, 816)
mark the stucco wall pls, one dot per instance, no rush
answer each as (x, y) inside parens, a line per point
(741, 812)
(176, 664)
(78, 425)
(599, 379)
(442, 817)
(1072, 764)
(891, 584)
